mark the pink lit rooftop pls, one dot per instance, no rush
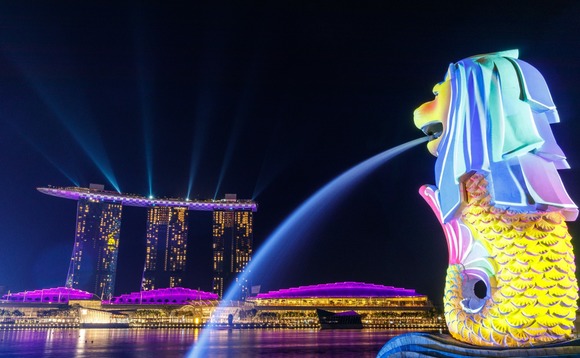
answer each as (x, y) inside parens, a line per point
(49, 295)
(76, 193)
(164, 296)
(340, 289)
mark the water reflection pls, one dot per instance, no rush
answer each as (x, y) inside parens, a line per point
(162, 343)
(81, 341)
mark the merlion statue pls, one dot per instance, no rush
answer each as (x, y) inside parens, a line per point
(502, 205)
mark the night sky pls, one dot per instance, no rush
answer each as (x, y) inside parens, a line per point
(270, 102)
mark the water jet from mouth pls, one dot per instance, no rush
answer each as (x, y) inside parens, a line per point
(286, 236)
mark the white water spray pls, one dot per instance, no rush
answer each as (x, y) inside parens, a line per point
(301, 219)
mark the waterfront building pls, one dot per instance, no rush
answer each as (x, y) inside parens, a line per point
(378, 305)
(166, 247)
(232, 248)
(164, 296)
(49, 307)
(93, 264)
(56, 295)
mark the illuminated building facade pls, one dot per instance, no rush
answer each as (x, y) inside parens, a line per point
(232, 247)
(166, 248)
(93, 263)
(94, 259)
(379, 306)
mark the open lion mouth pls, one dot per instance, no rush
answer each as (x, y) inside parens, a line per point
(433, 130)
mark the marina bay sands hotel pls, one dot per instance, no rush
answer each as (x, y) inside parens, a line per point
(93, 264)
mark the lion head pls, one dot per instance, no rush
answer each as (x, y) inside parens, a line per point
(492, 114)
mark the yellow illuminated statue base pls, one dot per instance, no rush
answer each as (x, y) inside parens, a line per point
(534, 298)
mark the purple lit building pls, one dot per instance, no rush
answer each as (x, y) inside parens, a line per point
(94, 259)
(93, 265)
(232, 248)
(97, 192)
(164, 296)
(348, 290)
(61, 295)
(378, 305)
(166, 247)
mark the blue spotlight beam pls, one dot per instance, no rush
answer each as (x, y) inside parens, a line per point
(145, 96)
(244, 103)
(144, 80)
(199, 138)
(234, 134)
(294, 228)
(42, 152)
(72, 114)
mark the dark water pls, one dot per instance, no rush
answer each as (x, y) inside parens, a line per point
(161, 343)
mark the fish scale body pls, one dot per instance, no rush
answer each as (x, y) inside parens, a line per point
(534, 290)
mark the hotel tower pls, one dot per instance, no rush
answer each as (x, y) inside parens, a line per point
(93, 264)
(166, 247)
(232, 248)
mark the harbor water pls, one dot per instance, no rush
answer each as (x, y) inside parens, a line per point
(177, 342)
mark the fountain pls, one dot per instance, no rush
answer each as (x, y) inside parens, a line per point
(511, 287)
(306, 215)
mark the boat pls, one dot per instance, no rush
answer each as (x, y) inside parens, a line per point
(339, 320)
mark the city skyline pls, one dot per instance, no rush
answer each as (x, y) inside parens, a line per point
(267, 101)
